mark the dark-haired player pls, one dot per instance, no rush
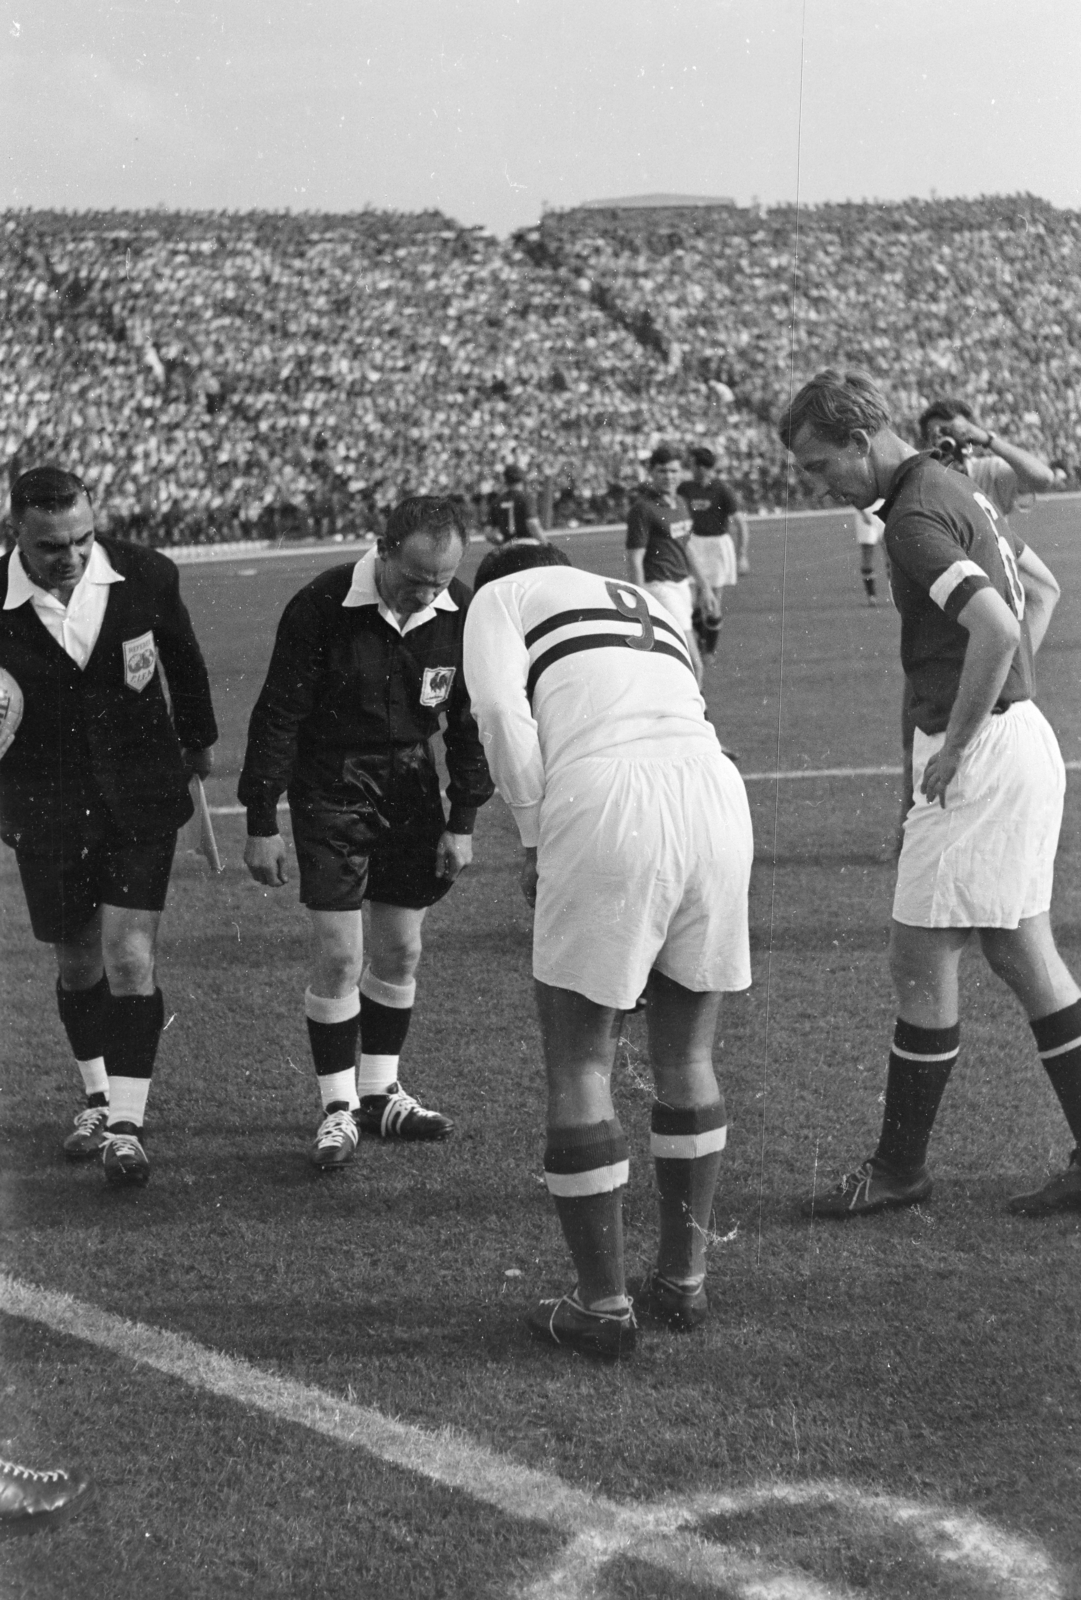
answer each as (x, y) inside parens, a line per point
(94, 784)
(514, 511)
(981, 834)
(714, 510)
(659, 554)
(638, 847)
(1003, 471)
(366, 664)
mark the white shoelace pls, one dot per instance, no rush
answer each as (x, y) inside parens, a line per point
(87, 1121)
(333, 1127)
(124, 1144)
(15, 1471)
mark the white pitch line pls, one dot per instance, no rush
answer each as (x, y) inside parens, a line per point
(748, 777)
(664, 1534)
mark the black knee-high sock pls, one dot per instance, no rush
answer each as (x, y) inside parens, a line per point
(133, 1027)
(921, 1061)
(585, 1169)
(82, 1012)
(1058, 1039)
(688, 1147)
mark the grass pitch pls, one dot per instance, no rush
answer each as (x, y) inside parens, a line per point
(928, 1359)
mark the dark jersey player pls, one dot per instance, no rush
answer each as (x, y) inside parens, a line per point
(714, 509)
(659, 557)
(981, 833)
(514, 513)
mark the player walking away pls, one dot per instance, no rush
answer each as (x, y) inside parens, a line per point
(514, 513)
(1004, 473)
(981, 834)
(869, 529)
(31, 1500)
(713, 508)
(366, 662)
(638, 847)
(659, 556)
(94, 784)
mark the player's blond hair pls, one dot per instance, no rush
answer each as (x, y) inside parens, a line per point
(834, 404)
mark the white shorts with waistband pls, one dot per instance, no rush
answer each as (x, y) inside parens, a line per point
(643, 863)
(987, 860)
(676, 598)
(716, 556)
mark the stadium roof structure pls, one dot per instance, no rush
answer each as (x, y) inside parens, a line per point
(655, 202)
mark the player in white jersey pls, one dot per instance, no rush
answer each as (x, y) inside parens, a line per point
(869, 530)
(637, 839)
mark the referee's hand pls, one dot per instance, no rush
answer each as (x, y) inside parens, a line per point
(453, 852)
(265, 860)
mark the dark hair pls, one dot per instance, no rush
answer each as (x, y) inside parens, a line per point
(943, 411)
(512, 473)
(663, 455)
(436, 516)
(45, 489)
(703, 457)
(835, 404)
(517, 556)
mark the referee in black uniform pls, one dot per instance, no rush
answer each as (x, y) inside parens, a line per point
(94, 784)
(366, 663)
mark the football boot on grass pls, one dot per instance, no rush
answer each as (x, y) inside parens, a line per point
(123, 1157)
(607, 1335)
(869, 1189)
(32, 1500)
(1060, 1193)
(89, 1137)
(659, 1303)
(335, 1141)
(396, 1115)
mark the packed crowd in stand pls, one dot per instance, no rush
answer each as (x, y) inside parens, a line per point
(219, 376)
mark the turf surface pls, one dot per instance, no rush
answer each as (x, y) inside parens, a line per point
(931, 1356)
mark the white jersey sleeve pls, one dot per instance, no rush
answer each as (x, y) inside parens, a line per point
(496, 666)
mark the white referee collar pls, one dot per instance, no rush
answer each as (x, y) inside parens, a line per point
(363, 592)
(21, 588)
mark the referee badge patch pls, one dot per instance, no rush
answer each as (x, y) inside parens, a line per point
(140, 660)
(435, 686)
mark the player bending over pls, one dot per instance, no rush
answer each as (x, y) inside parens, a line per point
(637, 840)
(980, 837)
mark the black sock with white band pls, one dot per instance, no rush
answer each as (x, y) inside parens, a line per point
(921, 1061)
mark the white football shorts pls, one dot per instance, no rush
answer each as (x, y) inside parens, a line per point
(988, 859)
(677, 599)
(717, 558)
(643, 863)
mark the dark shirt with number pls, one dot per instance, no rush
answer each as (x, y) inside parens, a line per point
(655, 526)
(512, 513)
(712, 504)
(945, 541)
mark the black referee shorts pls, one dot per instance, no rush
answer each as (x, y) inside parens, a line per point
(70, 871)
(342, 865)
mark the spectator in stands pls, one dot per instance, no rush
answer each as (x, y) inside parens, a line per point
(514, 512)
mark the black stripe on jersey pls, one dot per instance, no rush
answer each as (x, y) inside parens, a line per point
(564, 619)
(597, 641)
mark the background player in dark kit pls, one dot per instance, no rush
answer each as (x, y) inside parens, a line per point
(514, 512)
(714, 508)
(659, 557)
